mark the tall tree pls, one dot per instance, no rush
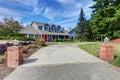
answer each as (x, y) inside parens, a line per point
(9, 25)
(80, 26)
(105, 18)
(87, 31)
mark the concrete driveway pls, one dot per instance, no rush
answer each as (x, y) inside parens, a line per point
(64, 62)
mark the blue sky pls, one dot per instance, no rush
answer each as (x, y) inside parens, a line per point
(60, 12)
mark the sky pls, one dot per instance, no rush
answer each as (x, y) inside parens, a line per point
(59, 12)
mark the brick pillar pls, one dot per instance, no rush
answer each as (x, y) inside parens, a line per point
(15, 57)
(106, 52)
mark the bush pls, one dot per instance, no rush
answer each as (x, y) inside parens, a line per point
(63, 40)
(25, 49)
(16, 36)
(1, 59)
(32, 46)
(5, 55)
(116, 35)
(42, 42)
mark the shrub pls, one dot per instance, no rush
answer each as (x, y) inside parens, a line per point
(1, 59)
(42, 42)
(25, 49)
(25, 39)
(32, 46)
(5, 55)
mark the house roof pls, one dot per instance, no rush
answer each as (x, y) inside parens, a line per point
(31, 30)
(42, 24)
(69, 30)
(52, 33)
(39, 23)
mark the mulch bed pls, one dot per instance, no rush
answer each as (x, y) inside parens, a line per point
(5, 71)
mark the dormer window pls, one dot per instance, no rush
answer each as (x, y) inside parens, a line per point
(52, 28)
(46, 28)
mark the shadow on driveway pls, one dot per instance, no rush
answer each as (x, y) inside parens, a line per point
(30, 61)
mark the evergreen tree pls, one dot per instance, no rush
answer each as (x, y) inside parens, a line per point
(105, 18)
(80, 26)
(87, 31)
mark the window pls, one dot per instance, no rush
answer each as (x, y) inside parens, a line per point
(40, 27)
(49, 29)
(52, 28)
(31, 35)
(46, 28)
(57, 29)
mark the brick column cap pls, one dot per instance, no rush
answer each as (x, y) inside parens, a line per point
(107, 45)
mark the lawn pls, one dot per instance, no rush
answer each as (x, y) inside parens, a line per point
(93, 48)
(53, 43)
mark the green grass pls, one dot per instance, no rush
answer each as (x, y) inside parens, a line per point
(51, 43)
(116, 61)
(93, 48)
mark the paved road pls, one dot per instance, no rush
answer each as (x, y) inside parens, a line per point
(64, 62)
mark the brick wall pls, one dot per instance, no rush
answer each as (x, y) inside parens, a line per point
(106, 52)
(14, 57)
(115, 41)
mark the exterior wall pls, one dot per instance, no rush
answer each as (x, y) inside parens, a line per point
(66, 37)
(51, 28)
(72, 34)
(35, 25)
(24, 35)
(52, 37)
(37, 36)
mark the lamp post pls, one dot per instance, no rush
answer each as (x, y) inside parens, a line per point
(15, 42)
(106, 40)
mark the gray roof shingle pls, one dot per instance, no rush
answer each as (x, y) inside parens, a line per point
(31, 30)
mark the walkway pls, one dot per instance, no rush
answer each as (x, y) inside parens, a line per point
(64, 62)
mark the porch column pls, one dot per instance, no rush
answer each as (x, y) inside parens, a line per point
(64, 36)
(47, 37)
(58, 37)
(27, 35)
(34, 36)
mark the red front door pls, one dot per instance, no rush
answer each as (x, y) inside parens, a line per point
(44, 37)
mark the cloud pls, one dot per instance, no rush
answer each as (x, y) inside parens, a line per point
(65, 1)
(9, 13)
(29, 4)
(66, 21)
(50, 13)
(63, 12)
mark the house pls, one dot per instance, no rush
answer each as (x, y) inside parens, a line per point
(71, 33)
(46, 31)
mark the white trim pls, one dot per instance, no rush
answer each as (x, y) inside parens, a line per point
(27, 35)
(34, 35)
